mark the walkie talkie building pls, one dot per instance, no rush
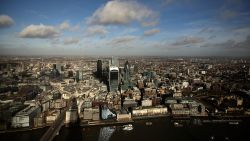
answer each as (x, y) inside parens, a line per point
(113, 78)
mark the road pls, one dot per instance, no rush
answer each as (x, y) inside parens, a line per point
(56, 126)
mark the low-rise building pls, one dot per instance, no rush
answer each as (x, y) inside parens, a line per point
(52, 116)
(88, 114)
(123, 115)
(25, 118)
(146, 103)
(150, 111)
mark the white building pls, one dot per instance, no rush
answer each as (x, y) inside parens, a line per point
(150, 111)
(146, 103)
(123, 116)
(88, 113)
(177, 94)
(71, 116)
(25, 117)
(52, 117)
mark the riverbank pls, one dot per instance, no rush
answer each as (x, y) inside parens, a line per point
(104, 123)
(22, 129)
(204, 119)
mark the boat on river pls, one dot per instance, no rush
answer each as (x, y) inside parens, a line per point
(128, 127)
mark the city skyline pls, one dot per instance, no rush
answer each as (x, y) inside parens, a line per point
(125, 27)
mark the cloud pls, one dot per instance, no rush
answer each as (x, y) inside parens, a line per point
(231, 44)
(39, 31)
(122, 40)
(149, 23)
(188, 41)
(227, 44)
(96, 30)
(207, 30)
(120, 13)
(75, 28)
(211, 37)
(151, 32)
(65, 25)
(69, 41)
(6, 21)
(241, 30)
(245, 44)
(55, 41)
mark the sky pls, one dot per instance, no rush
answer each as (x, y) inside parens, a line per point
(125, 27)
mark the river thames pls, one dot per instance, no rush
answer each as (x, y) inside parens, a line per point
(161, 129)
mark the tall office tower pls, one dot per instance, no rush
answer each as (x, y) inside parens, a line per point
(55, 73)
(77, 76)
(132, 69)
(59, 67)
(113, 78)
(99, 69)
(248, 70)
(113, 75)
(54, 66)
(114, 61)
(126, 71)
(81, 75)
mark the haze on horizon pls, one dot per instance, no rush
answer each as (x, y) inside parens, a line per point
(125, 27)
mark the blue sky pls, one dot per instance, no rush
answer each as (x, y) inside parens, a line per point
(125, 27)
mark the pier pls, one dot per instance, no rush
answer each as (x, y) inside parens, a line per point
(105, 123)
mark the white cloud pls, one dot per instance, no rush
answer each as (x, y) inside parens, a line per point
(6, 21)
(69, 41)
(149, 23)
(96, 30)
(65, 25)
(151, 32)
(75, 28)
(39, 31)
(122, 40)
(120, 12)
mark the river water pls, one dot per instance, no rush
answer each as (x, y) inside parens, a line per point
(161, 129)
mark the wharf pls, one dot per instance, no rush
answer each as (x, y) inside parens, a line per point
(149, 117)
(104, 123)
(220, 121)
(22, 129)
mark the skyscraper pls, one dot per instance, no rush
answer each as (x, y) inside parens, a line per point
(59, 67)
(113, 78)
(99, 69)
(248, 70)
(113, 75)
(126, 71)
(77, 76)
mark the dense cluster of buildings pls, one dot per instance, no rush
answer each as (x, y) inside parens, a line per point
(34, 91)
